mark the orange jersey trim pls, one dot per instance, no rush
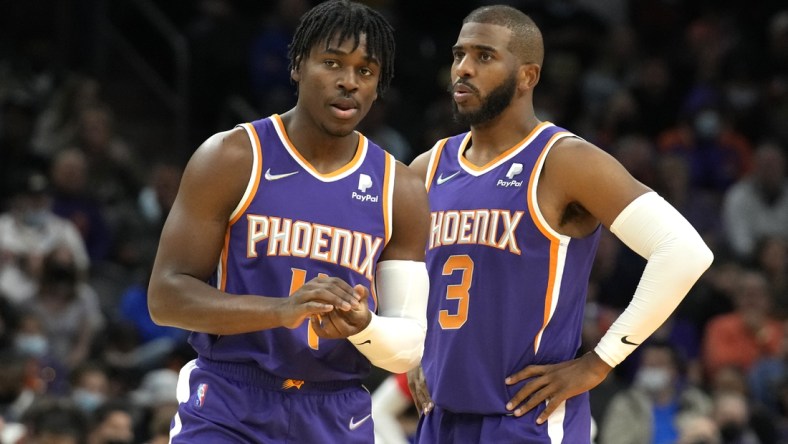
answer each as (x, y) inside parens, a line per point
(354, 162)
(249, 194)
(388, 196)
(258, 156)
(436, 157)
(555, 242)
(466, 163)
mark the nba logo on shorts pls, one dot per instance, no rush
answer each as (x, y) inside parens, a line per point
(202, 389)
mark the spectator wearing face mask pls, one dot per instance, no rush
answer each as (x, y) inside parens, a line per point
(89, 386)
(732, 415)
(717, 154)
(28, 232)
(68, 310)
(649, 411)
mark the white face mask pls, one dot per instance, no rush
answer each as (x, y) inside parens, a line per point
(652, 379)
(33, 345)
(86, 400)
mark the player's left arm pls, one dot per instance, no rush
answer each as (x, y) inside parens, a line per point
(578, 172)
(394, 338)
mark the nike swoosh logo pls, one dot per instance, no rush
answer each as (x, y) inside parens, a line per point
(627, 341)
(368, 341)
(442, 179)
(354, 425)
(269, 176)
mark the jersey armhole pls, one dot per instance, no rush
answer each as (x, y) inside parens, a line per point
(254, 179)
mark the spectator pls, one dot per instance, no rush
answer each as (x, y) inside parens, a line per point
(115, 173)
(112, 423)
(16, 394)
(698, 429)
(90, 386)
(650, 411)
(748, 333)
(757, 206)
(68, 309)
(732, 416)
(73, 200)
(767, 376)
(28, 232)
(57, 124)
(771, 257)
(717, 154)
(54, 421)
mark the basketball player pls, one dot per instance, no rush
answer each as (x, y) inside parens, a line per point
(311, 240)
(516, 207)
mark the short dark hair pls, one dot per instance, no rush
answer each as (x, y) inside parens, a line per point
(345, 19)
(526, 42)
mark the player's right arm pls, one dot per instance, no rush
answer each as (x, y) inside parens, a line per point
(421, 163)
(416, 382)
(191, 242)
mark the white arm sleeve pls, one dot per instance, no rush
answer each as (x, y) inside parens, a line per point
(677, 257)
(394, 338)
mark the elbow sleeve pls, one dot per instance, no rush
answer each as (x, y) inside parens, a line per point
(677, 257)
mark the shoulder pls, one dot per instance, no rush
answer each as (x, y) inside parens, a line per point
(219, 169)
(408, 181)
(573, 150)
(573, 162)
(420, 165)
(225, 147)
(221, 154)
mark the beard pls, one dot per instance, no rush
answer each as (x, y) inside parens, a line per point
(491, 106)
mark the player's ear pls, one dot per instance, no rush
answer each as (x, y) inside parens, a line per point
(295, 73)
(528, 76)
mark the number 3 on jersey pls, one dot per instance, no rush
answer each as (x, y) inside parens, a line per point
(464, 264)
(297, 281)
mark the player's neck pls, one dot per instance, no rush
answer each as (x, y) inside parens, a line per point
(498, 135)
(325, 152)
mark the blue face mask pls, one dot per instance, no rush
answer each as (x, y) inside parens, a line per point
(86, 400)
(34, 345)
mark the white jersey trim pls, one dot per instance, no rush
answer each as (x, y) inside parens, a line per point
(250, 186)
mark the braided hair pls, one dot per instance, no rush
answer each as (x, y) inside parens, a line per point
(344, 19)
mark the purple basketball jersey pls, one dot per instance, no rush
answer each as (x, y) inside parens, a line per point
(292, 225)
(506, 290)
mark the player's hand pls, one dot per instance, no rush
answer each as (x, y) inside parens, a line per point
(318, 296)
(417, 385)
(555, 383)
(343, 323)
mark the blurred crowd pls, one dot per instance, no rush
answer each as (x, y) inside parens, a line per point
(691, 96)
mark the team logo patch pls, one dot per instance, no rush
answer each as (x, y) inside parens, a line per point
(290, 383)
(199, 400)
